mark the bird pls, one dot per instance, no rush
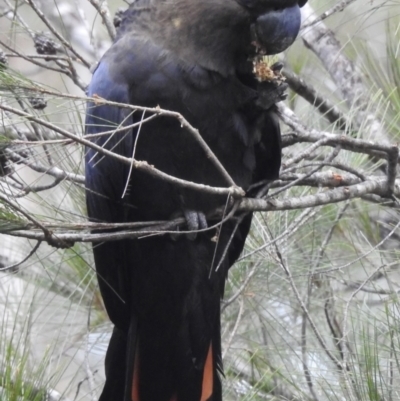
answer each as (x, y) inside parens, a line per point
(163, 292)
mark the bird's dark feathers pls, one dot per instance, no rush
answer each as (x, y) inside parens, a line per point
(163, 293)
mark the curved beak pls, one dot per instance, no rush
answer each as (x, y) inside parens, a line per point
(276, 30)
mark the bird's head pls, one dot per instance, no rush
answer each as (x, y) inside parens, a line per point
(277, 23)
(217, 34)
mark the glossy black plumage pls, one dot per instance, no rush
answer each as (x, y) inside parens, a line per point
(163, 293)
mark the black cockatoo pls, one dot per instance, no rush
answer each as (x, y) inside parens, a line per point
(163, 292)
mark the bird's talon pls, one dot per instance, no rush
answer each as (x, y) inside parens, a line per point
(195, 221)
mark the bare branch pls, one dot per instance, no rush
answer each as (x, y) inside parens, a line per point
(378, 186)
(14, 266)
(234, 191)
(103, 10)
(301, 134)
(318, 38)
(339, 7)
(46, 234)
(324, 106)
(52, 171)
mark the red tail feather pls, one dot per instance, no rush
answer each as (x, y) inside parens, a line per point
(207, 383)
(208, 377)
(135, 383)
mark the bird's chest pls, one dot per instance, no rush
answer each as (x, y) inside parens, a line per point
(175, 147)
(218, 115)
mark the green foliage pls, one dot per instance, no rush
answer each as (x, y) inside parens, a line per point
(9, 219)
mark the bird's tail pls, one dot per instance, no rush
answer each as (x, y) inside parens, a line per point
(149, 365)
(207, 383)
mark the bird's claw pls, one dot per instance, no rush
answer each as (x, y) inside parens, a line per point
(271, 92)
(195, 220)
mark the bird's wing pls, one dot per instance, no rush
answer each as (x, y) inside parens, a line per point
(106, 177)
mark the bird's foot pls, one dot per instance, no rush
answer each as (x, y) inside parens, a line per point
(195, 221)
(272, 88)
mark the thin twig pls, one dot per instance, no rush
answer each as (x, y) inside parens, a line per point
(302, 134)
(15, 265)
(235, 328)
(339, 7)
(52, 171)
(328, 159)
(328, 236)
(324, 106)
(103, 10)
(55, 32)
(47, 235)
(304, 308)
(242, 287)
(298, 222)
(33, 61)
(304, 359)
(234, 191)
